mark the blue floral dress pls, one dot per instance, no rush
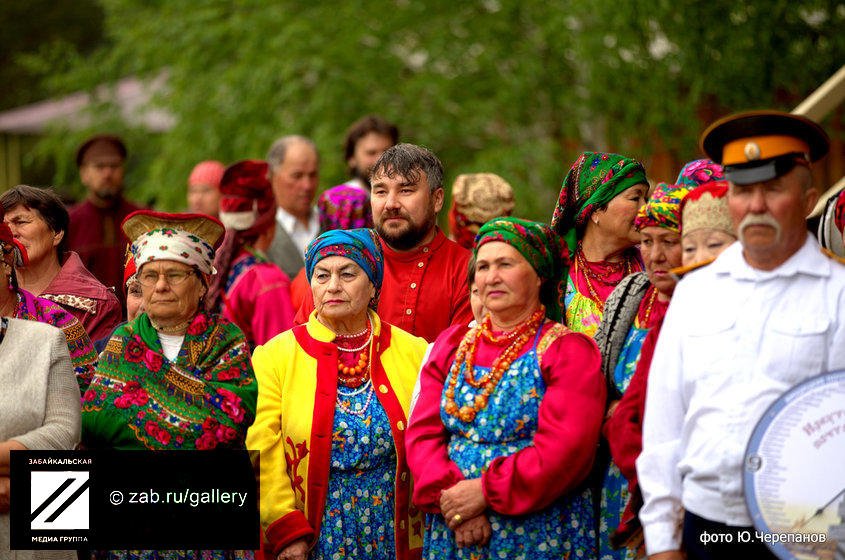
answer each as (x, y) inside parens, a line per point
(614, 492)
(505, 426)
(359, 514)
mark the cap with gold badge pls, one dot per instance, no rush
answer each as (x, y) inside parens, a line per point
(757, 146)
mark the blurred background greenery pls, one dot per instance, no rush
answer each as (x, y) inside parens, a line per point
(513, 87)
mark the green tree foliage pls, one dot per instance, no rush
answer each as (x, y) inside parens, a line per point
(35, 32)
(660, 74)
(506, 86)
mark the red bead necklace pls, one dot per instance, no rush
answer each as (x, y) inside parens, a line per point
(581, 264)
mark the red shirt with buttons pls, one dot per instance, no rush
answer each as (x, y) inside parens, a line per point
(424, 291)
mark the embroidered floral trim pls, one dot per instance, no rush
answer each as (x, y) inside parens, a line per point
(554, 333)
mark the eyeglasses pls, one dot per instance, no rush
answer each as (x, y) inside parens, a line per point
(149, 278)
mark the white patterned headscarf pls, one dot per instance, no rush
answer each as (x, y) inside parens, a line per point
(185, 238)
(169, 244)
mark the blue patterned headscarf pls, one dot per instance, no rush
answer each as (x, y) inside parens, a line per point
(360, 245)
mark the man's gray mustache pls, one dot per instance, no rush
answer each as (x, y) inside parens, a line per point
(758, 220)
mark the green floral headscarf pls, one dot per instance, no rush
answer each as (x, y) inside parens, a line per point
(543, 250)
(593, 180)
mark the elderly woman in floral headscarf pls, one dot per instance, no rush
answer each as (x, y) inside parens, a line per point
(636, 307)
(250, 291)
(506, 426)
(176, 377)
(333, 404)
(173, 356)
(595, 215)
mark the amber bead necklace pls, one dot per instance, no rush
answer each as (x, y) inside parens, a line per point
(488, 382)
(649, 305)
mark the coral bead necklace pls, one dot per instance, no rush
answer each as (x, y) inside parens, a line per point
(353, 376)
(353, 371)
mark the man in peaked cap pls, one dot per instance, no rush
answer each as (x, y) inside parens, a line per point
(766, 315)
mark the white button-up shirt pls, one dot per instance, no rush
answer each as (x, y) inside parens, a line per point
(734, 339)
(298, 233)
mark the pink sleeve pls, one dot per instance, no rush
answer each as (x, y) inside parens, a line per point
(427, 438)
(261, 299)
(567, 434)
(273, 308)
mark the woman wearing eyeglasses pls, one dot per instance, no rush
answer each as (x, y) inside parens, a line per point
(175, 377)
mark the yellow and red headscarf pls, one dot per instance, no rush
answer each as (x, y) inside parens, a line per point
(663, 208)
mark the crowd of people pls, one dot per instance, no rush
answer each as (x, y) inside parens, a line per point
(582, 388)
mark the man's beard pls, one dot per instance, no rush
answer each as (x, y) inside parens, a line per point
(409, 237)
(107, 197)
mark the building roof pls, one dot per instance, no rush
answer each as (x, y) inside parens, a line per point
(130, 94)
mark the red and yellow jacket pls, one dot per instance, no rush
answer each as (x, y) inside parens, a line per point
(297, 388)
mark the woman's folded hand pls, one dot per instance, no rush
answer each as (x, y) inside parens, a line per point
(462, 502)
(474, 532)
